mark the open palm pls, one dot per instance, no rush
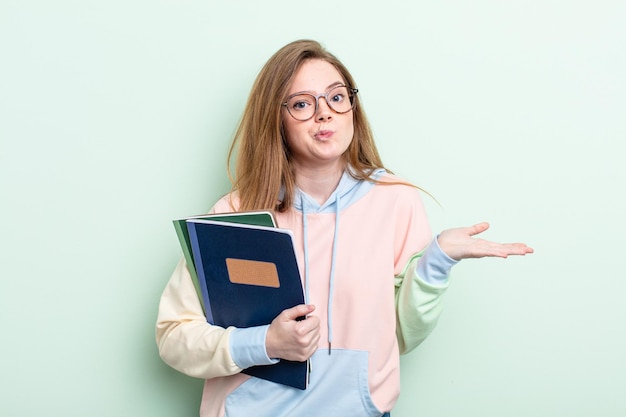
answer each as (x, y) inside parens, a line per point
(461, 243)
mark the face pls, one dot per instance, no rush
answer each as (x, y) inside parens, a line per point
(321, 140)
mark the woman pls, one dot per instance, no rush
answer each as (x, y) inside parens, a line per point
(373, 274)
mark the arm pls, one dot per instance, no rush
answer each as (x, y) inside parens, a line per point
(420, 286)
(185, 340)
(418, 290)
(192, 346)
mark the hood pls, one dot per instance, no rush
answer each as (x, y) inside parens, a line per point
(348, 191)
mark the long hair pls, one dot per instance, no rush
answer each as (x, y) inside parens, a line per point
(263, 164)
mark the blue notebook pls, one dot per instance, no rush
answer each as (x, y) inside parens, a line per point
(260, 218)
(248, 274)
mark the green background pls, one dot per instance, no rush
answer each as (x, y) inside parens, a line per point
(116, 116)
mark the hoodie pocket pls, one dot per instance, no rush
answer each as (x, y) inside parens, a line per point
(338, 387)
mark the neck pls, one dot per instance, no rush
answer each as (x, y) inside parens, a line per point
(319, 183)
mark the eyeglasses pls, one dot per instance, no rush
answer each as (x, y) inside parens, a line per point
(303, 106)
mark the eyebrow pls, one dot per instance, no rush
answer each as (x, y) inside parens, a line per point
(335, 84)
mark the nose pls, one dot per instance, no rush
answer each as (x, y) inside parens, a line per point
(324, 111)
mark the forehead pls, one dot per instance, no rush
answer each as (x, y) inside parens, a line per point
(315, 76)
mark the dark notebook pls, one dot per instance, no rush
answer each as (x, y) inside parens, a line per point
(248, 275)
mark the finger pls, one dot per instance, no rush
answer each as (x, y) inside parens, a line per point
(508, 249)
(308, 326)
(298, 311)
(519, 249)
(478, 228)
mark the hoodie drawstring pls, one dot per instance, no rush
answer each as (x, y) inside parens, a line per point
(332, 265)
(306, 251)
(331, 284)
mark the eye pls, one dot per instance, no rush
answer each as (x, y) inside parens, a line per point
(301, 103)
(337, 98)
(338, 95)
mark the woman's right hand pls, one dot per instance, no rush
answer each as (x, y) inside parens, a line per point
(292, 339)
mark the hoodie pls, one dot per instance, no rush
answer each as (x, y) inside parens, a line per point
(376, 276)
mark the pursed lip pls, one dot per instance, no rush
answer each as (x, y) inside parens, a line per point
(324, 134)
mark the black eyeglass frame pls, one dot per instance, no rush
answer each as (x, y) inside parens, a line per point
(351, 93)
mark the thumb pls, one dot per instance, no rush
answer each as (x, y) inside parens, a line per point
(478, 228)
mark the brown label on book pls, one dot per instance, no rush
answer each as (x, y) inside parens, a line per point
(243, 271)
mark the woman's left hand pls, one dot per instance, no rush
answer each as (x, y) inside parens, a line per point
(460, 243)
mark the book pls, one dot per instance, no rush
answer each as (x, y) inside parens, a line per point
(260, 218)
(248, 275)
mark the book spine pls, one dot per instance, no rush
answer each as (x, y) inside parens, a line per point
(185, 244)
(197, 256)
